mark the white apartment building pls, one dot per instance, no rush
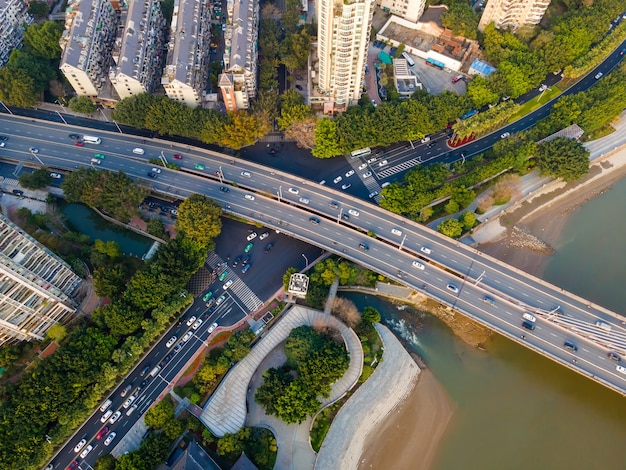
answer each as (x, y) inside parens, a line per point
(90, 30)
(343, 34)
(35, 286)
(238, 81)
(138, 48)
(187, 67)
(410, 10)
(13, 15)
(512, 13)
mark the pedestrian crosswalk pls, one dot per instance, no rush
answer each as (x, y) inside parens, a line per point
(8, 181)
(406, 165)
(238, 288)
(371, 183)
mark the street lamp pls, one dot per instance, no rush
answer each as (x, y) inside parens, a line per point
(104, 115)
(118, 127)
(5, 107)
(62, 118)
(280, 193)
(339, 216)
(305, 260)
(221, 175)
(402, 243)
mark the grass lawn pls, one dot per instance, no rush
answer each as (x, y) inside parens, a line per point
(535, 103)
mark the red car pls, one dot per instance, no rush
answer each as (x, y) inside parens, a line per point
(79, 143)
(102, 433)
(178, 157)
(74, 464)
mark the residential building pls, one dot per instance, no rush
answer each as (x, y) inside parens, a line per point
(343, 34)
(238, 82)
(138, 48)
(187, 67)
(13, 16)
(513, 13)
(90, 31)
(35, 286)
(410, 10)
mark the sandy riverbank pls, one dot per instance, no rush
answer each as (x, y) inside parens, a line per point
(410, 435)
(537, 223)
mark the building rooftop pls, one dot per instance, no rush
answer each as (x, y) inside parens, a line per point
(242, 38)
(78, 35)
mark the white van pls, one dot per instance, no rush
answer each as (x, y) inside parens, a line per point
(603, 325)
(138, 151)
(105, 406)
(96, 161)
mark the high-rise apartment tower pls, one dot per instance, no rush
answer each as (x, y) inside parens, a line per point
(513, 13)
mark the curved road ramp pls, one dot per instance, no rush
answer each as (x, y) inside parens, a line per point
(225, 412)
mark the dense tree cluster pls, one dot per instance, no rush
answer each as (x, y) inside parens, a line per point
(563, 158)
(114, 193)
(314, 362)
(38, 179)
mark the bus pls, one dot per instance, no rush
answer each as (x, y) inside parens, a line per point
(361, 153)
(436, 64)
(469, 114)
(92, 140)
(410, 61)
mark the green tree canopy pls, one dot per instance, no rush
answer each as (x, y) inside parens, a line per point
(199, 219)
(82, 104)
(38, 179)
(451, 228)
(17, 88)
(42, 39)
(371, 315)
(563, 158)
(158, 415)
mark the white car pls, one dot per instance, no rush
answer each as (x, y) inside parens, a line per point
(543, 87)
(129, 402)
(372, 160)
(294, 190)
(106, 416)
(252, 236)
(198, 322)
(228, 284)
(367, 174)
(425, 139)
(246, 174)
(363, 166)
(187, 337)
(80, 445)
(349, 173)
(156, 170)
(33, 150)
(115, 417)
(426, 250)
(385, 184)
(383, 163)
(109, 439)
(249, 197)
(212, 328)
(621, 369)
(221, 299)
(190, 321)
(345, 185)
(304, 200)
(505, 135)
(395, 231)
(373, 194)
(264, 235)
(453, 288)
(529, 317)
(418, 265)
(56, 176)
(171, 341)
(353, 212)
(337, 180)
(84, 453)
(2, 144)
(599, 75)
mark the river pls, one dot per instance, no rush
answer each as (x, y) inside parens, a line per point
(519, 410)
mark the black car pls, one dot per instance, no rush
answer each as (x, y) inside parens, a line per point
(144, 371)
(269, 247)
(431, 144)
(3, 137)
(613, 356)
(570, 346)
(363, 246)
(345, 216)
(314, 220)
(152, 175)
(74, 136)
(245, 259)
(333, 205)
(236, 261)
(224, 189)
(299, 87)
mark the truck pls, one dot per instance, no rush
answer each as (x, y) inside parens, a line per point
(155, 371)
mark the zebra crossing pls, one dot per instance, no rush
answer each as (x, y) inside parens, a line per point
(238, 288)
(8, 181)
(406, 165)
(371, 182)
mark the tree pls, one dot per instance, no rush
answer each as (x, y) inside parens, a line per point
(56, 332)
(38, 179)
(243, 129)
(233, 444)
(468, 219)
(563, 158)
(133, 110)
(42, 39)
(371, 315)
(8, 355)
(17, 88)
(326, 140)
(157, 416)
(105, 462)
(40, 70)
(82, 104)
(461, 19)
(38, 9)
(199, 219)
(287, 276)
(111, 249)
(452, 207)
(451, 228)
(110, 281)
(295, 49)
(156, 228)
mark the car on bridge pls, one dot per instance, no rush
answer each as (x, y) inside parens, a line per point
(314, 220)
(418, 265)
(570, 346)
(197, 166)
(426, 250)
(452, 287)
(294, 190)
(363, 246)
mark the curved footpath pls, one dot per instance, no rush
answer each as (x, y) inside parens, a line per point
(225, 412)
(392, 381)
